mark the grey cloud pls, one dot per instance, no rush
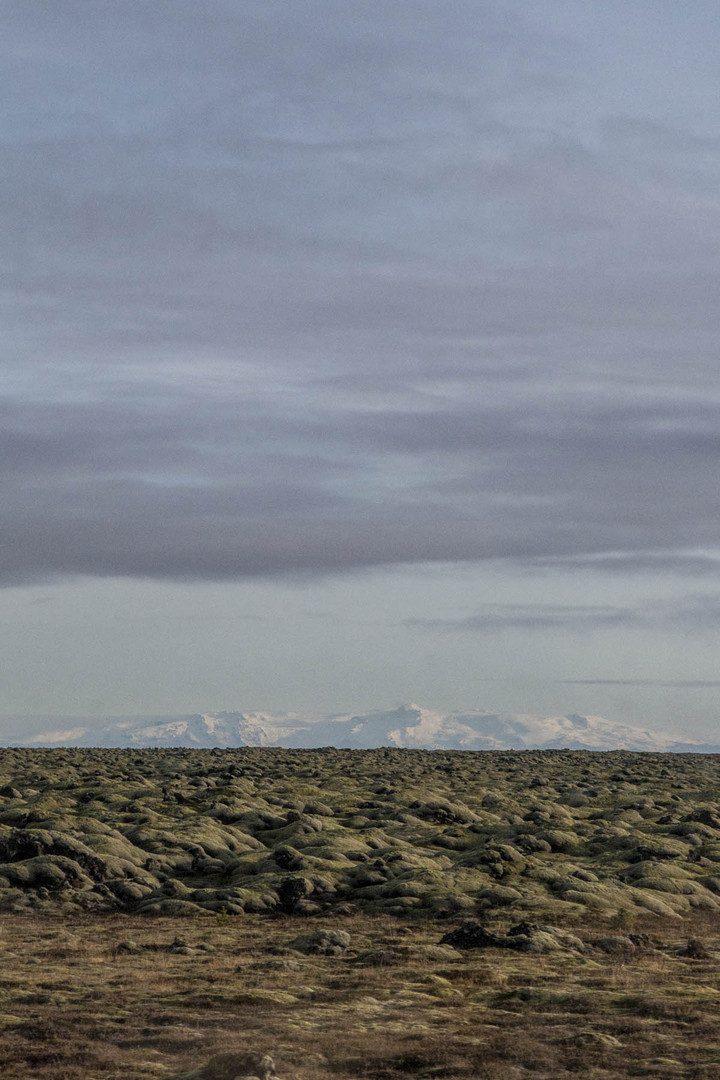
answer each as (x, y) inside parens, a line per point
(530, 617)
(183, 484)
(295, 288)
(695, 612)
(673, 684)
(684, 562)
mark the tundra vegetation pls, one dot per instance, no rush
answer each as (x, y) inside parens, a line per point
(383, 914)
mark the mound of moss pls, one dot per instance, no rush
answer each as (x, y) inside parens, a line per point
(400, 832)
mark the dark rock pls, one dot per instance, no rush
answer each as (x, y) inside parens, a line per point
(641, 941)
(704, 817)
(287, 858)
(695, 950)
(473, 936)
(292, 891)
(232, 1067)
(523, 937)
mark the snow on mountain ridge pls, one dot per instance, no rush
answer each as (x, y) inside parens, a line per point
(408, 726)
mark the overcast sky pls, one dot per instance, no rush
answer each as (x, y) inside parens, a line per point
(360, 353)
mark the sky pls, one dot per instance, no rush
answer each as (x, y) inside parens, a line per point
(358, 354)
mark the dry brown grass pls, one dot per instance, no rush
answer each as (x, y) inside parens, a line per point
(74, 1007)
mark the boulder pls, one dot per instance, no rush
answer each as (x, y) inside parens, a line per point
(523, 937)
(233, 1067)
(322, 942)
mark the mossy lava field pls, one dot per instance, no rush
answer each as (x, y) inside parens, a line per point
(344, 913)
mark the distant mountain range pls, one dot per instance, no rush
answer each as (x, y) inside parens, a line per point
(407, 726)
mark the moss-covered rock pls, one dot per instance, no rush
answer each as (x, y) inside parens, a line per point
(394, 831)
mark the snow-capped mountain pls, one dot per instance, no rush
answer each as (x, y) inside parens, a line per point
(406, 726)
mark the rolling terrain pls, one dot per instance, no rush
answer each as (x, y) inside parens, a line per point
(391, 831)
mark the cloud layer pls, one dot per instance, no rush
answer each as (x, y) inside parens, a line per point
(695, 612)
(294, 289)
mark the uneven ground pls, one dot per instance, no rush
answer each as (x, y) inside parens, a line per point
(385, 831)
(161, 907)
(392, 1006)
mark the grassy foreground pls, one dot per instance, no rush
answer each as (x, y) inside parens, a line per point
(111, 997)
(163, 907)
